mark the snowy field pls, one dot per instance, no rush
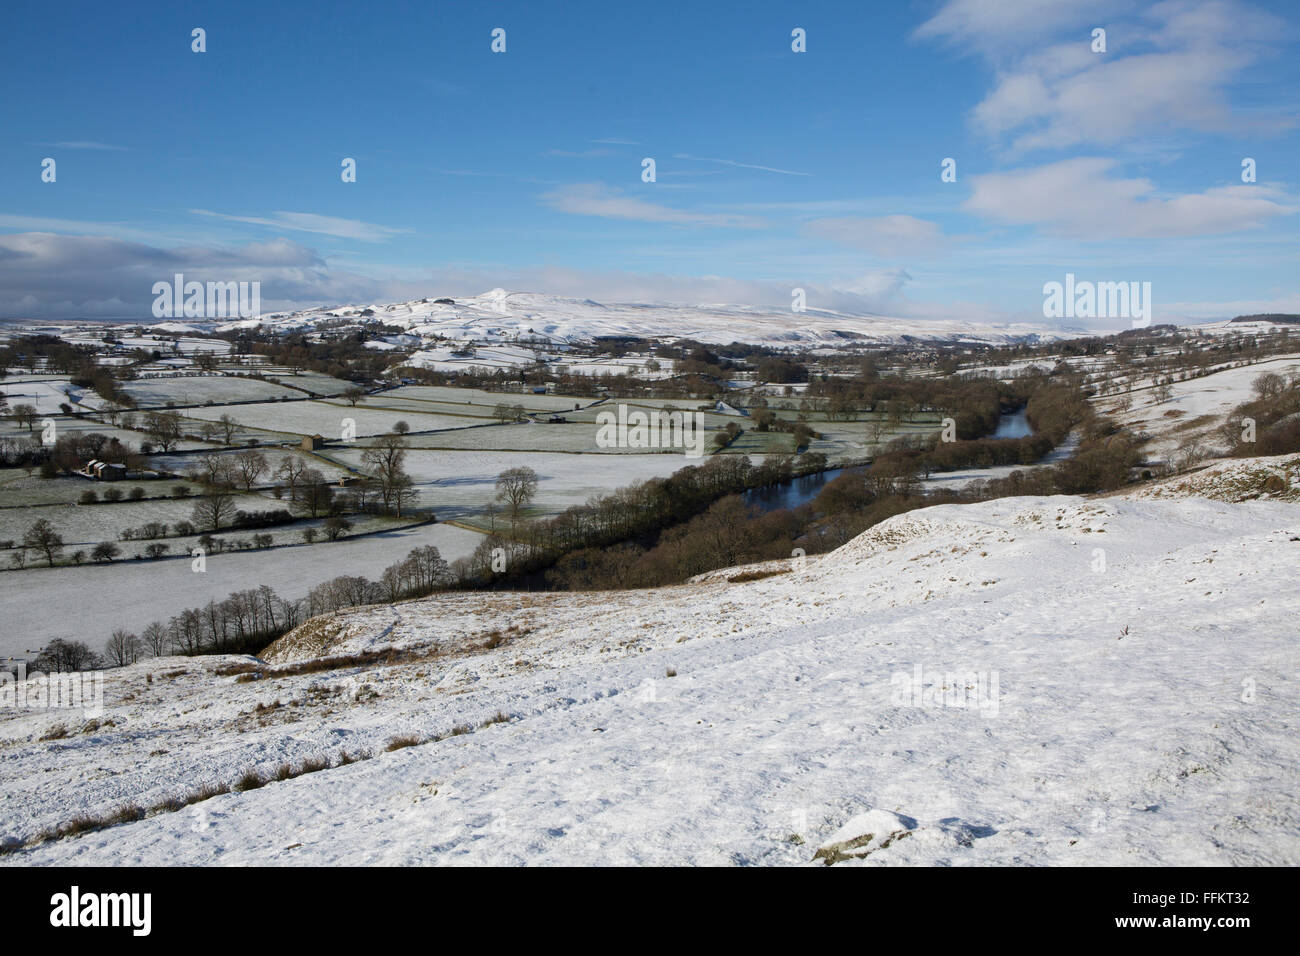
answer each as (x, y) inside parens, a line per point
(1209, 399)
(325, 418)
(572, 437)
(458, 484)
(86, 603)
(85, 525)
(1032, 681)
(45, 395)
(489, 400)
(197, 389)
(444, 359)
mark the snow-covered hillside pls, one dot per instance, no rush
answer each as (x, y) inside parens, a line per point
(1031, 680)
(553, 320)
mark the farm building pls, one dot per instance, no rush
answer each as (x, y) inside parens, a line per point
(103, 470)
(312, 442)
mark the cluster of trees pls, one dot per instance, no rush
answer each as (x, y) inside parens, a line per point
(729, 532)
(345, 357)
(1275, 410)
(243, 623)
(637, 512)
(248, 620)
(48, 351)
(420, 573)
(67, 453)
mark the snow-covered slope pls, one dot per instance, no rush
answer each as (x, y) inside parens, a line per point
(499, 315)
(1031, 680)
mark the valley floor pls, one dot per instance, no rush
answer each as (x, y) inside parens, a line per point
(1024, 681)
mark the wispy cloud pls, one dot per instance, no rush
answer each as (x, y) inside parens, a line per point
(598, 199)
(311, 222)
(580, 154)
(738, 165)
(891, 236)
(617, 142)
(992, 29)
(85, 144)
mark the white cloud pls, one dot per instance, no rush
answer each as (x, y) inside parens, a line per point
(310, 222)
(1113, 101)
(598, 199)
(896, 235)
(1167, 67)
(994, 28)
(1076, 197)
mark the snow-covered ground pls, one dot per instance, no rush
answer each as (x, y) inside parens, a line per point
(458, 484)
(44, 395)
(1197, 406)
(500, 316)
(88, 602)
(1031, 680)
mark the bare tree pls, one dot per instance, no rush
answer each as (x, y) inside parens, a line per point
(1268, 385)
(516, 487)
(386, 459)
(354, 395)
(122, 648)
(24, 415)
(214, 470)
(426, 568)
(42, 537)
(291, 470)
(250, 464)
(60, 655)
(154, 639)
(215, 508)
(164, 428)
(313, 493)
(227, 426)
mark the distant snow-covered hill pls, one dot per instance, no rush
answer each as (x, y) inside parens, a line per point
(555, 320)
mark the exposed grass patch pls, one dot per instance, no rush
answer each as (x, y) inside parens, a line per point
(744, 576)
(251, 779)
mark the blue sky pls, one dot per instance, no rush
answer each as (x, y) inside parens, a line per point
(775, 169)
